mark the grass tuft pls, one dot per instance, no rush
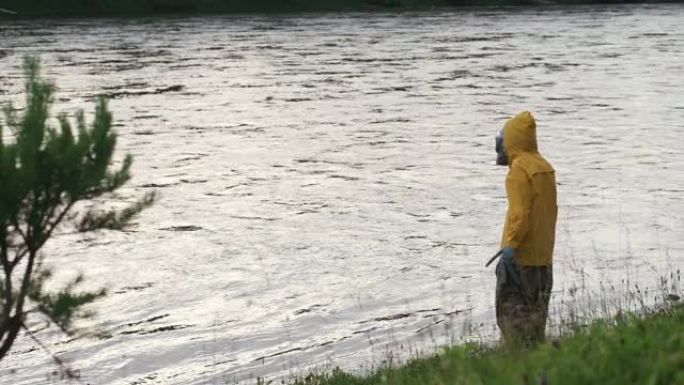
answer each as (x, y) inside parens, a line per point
(626, 349)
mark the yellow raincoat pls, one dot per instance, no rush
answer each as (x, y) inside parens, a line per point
(531, 188)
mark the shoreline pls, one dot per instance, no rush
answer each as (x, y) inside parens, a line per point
(627, 349)
(17, 10)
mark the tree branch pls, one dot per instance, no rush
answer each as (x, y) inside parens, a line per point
(25, 283)
(67, 371)
(12, 329)
(21, 252)
(55, 223)
(7, 269)
(18, 256)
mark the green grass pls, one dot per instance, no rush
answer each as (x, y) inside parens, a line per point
(628, 349)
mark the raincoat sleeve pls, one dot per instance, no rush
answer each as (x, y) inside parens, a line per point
(519, 194)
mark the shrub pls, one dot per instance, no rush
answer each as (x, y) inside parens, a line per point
(44, 172)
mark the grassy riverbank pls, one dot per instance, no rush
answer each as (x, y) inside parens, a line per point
(627, 350)
(21, 8)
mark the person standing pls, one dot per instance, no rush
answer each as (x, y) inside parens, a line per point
(524, 272)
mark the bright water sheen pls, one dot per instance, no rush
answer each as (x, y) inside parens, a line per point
(328, 188)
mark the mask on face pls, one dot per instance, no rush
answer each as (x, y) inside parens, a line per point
(501, 157)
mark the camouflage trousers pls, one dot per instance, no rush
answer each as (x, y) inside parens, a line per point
(521, 312)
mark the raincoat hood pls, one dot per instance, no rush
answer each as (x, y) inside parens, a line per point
(520, 135)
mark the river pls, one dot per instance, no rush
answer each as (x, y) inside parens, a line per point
(327, 184)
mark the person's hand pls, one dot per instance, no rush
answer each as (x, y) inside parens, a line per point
(508, 258)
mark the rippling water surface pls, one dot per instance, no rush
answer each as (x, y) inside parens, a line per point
(327, 185)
